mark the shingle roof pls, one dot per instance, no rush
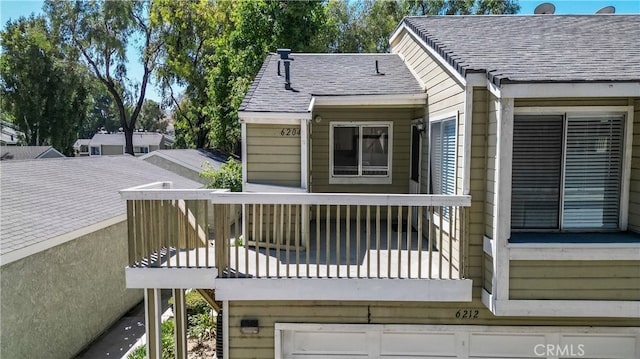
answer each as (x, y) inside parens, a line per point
(327, 75)
(191, 158)
(139, 139)
(44, 199)
(537, 48)
(24, 152)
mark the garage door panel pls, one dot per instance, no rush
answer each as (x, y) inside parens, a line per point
(600, 346)
(403, 344)
(310, 344)
(504, 345)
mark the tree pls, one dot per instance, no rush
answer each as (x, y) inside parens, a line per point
(102, 114)
(101, 31)
(189, 31)
(152, 118)
(44, 94)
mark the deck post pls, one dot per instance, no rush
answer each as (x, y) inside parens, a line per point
(153, 322)
(180, 317)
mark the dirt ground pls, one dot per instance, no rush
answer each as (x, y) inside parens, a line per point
(204, 350)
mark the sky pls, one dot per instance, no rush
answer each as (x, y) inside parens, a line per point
(13, 9)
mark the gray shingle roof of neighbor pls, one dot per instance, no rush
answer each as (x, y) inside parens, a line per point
(44, 199)
(139, 139)
(536, 48)
(192, 158)
(26, 152)
(327, 75)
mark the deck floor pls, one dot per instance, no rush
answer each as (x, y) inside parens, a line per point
(315, 259)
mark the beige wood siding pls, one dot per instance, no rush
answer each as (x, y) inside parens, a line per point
(273, 158)
(575, 280)
(268, 313)
(401, 139)
(634, 188)
(111, 150)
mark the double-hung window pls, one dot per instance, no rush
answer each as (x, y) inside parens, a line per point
(360, 152)
(567, 171)
(442, 156)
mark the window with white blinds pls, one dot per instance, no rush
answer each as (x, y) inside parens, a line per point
(567, 171)
(442, 159)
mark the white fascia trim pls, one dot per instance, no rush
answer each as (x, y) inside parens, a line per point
(452, 71)
(278, 118)
(404, 100)
(24, 252)
(566, 308)
(243, 127)
(171, 277)
(468, 134)
(542, 90)
(403, 290)
(575, 251)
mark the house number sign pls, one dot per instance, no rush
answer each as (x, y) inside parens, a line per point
(290, 131)
(467, 314)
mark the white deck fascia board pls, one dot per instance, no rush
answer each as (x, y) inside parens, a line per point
(171, 277)
(402, 100)
(345, 289)
(24, 252)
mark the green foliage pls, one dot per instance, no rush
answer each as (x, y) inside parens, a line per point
(195, 304)
(229, 176)
(201, 326)
(138, 353)
(168, 343)
(45, 95)
(152, 117)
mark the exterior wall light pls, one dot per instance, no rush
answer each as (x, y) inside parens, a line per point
(249, 326)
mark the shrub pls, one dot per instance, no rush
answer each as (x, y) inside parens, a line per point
(229, 176)
(195, 304)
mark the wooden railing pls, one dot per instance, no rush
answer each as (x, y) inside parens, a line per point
(298, 235)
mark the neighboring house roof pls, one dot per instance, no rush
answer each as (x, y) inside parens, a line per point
(192, 159)
(536, 48)
(327, 75)
(117, 139)
(81, 142)
(42, 200)
(9, 134)
(28, 152)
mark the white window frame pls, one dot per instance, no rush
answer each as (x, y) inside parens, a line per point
(361, 179)
(627, 111)
(452, 116)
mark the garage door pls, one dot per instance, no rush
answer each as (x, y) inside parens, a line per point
(307, 341)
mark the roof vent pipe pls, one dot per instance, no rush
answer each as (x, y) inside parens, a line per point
(287, 78)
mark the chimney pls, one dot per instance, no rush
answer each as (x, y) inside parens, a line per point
(284, 56)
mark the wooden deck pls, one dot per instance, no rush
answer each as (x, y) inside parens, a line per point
(325, 257)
